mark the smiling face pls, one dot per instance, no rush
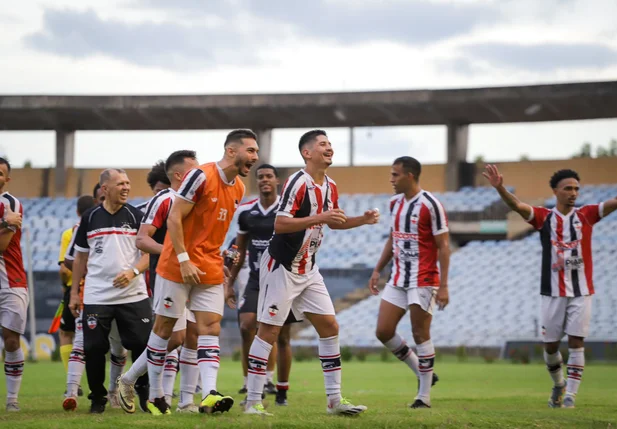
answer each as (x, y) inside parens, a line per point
(266, 181)
(244, 155)
(318, 152)
(116, 188)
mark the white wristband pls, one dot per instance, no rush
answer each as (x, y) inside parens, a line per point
(183, 257)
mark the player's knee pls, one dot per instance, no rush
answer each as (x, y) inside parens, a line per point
(283, 339)
(213, 329)
(163, 327)
(11, 344)
(248, 328)
(420, 335)
(576, 342)
(177, 339)
(383, 334)
(551, 348)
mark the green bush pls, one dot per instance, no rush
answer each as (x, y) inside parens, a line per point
(303, 354)
(384, 355)
(236, 355)
(361, 355)
(461, 353)
(346, 354)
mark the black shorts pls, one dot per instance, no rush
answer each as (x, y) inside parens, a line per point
(134, 322)
(248, 303)
(67, 320)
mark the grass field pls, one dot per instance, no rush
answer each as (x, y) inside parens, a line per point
(474, 394)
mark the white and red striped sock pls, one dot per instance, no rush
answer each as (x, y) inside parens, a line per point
(258, 361)
(77, 365)
(189, 375)
(13, 370)
(156, 352)
(576, 365)
(403, 352)
(330, 357)
(208, 360)
(426, 360)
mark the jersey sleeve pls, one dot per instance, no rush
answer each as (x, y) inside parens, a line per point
(439, 219)
(293, 195)
(81, 236)
(334, 195)
(64, 244)
(592, 212)
(156, 212)
(537, 217)
(243, 226)
(192, 185)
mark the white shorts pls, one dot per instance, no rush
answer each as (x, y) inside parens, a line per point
(404, 297)
(281, 291)
(180, 324)
(14, 308)
(565, 315)
(174, 297)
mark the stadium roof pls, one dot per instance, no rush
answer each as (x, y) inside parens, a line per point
(559, 102)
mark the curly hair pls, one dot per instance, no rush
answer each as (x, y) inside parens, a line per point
(563, 174)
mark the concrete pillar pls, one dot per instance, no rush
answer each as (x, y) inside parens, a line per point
(65, 155)
(264, 140)
(457, 153)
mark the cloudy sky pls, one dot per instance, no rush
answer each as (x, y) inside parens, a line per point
(268, 46)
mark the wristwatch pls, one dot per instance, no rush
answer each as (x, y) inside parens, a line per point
(136, 271)
(4, 224)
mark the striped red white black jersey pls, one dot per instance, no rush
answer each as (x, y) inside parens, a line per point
(156, 213)
(567, 265)
(302, 197)
(109, 239)
(414, 225)
(12, 272)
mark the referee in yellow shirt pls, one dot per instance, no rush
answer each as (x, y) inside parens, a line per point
(67, 322)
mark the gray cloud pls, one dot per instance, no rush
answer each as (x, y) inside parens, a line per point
(544, 57)
(168, 45)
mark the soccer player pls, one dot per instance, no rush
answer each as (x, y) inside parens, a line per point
(191, 265)
(67, 321)
(150, 238)
(289, 278)
(114, 288)
(256, 226)
(14, 297)
(566, 282)
(418, 239)
(157, 181)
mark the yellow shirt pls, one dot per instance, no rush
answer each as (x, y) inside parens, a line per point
(64, 245)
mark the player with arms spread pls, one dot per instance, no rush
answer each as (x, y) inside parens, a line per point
(289, 278)
(567, 274)
(418, 239)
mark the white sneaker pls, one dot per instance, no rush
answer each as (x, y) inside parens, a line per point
(568, 401)
(112, 397)
(257, 409)
(188, 408)
(346, 408)
(12, 407)
(126, 395)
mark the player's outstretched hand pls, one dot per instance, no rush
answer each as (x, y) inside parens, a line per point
(443, 298)
(123, 279)
(371, 217)
(190, 273)
(13, 218)
(333, 217)
(74, 304)
(372, 283)
(493, 176)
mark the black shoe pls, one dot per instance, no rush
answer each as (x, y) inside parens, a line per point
(98, 405)
(270, 388)
(419, 404)
(143, 393)
(243, 391)
(281, 398)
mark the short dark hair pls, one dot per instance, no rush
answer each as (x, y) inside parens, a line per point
(95, 190)
(410, 165)
(309, 136)
(178, 157)
(236, 136)
(158, 174)
(558, 176)
(84, 203)
(4, 161)
(106, 174)
(265, 166)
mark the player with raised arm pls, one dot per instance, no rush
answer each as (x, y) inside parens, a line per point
(14, 298)
(190, 267)
(418, 239)
(566, 282)
(150, 239)
(289, 279)
(256, 226)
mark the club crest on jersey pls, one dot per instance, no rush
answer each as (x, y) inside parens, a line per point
(254, 212)
(126, 227)
(91, 321)
(273, 310)
(168, 302)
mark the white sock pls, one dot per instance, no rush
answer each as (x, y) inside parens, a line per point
(403, 352)
(269, 376)
(576, 365)
(245, 380)
(189, 375)
(117, 366)
(13, 370)
(330, 357)
(426, 360)
(258, 361)
(553, 364)
(208, 360)
(169, 374)
(157, 350)
(77, 365)
(137, 369)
